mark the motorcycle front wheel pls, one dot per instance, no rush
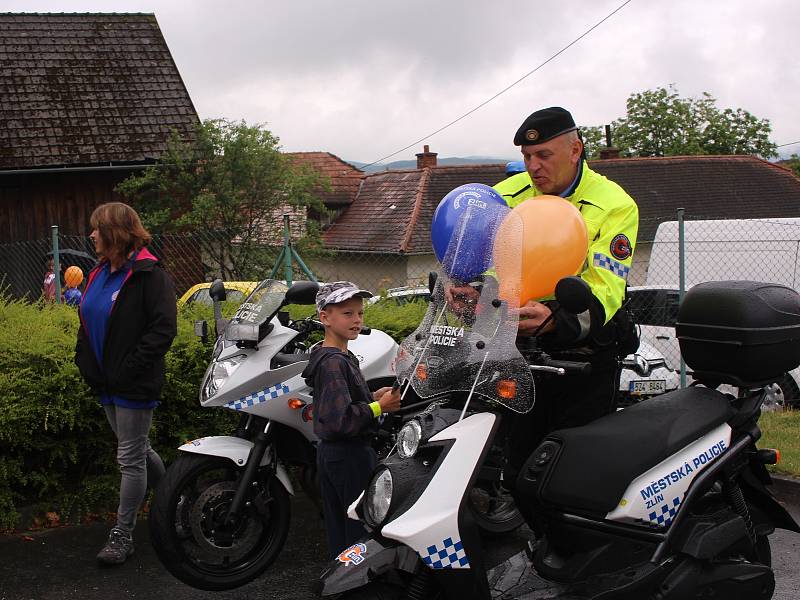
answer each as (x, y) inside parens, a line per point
(494, 510)
(189, 529)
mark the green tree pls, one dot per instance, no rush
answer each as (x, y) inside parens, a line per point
(594, 139)
(793, 162)
(661, 123)
(231, 180)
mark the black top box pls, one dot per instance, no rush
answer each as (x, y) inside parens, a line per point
(745, 333)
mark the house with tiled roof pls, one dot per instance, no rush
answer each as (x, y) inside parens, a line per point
(86, 99)
(344, 179)
(384, 235)
(341, 183)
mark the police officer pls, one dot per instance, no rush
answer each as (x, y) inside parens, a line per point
(555, 164)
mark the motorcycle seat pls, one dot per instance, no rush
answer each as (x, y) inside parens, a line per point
(597, 462)
(283, 360)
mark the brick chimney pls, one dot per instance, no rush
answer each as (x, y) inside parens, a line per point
(609, 151)
(426, 158)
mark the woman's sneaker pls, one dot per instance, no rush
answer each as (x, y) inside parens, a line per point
(117, 549)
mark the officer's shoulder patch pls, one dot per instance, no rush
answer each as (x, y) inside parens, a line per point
(621, 247)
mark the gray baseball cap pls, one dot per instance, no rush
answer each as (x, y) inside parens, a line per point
(339, 291)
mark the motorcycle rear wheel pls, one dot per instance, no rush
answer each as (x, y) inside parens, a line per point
(187, 523)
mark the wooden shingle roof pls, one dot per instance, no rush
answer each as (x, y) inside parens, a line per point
(344, 178)
(84, 89)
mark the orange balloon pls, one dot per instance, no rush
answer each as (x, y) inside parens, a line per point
(73, 276)
(542, 240)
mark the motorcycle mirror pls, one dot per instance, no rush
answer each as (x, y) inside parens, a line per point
(201, 329)
(220, 325)
(432, 277)
(217, 291)
(302, 292)
(241, 332)
(573, 294)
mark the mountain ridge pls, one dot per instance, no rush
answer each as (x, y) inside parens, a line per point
(412, 164)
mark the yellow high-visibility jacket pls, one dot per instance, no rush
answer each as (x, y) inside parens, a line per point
(612, 222)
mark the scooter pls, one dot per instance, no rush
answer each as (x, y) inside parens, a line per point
(665, 500)
(220, 516)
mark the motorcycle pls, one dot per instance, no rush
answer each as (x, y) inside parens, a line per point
(664, 500)
(220, 516)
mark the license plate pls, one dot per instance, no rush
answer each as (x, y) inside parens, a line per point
(648, 386)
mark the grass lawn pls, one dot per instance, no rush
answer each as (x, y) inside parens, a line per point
(782, 431)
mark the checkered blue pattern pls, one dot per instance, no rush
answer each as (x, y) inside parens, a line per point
(450, 556)
(258, 397)
(664, 514)
(617, 268)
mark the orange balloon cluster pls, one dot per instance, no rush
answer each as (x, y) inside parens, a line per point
(73, 276)
(542, 240)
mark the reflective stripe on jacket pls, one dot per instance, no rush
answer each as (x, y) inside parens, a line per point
(612, 223)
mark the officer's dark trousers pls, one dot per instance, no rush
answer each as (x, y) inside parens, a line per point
(561, 402)
(344, 471)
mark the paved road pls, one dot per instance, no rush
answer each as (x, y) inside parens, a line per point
(60, 565)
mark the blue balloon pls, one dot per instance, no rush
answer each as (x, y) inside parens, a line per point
(463, 227)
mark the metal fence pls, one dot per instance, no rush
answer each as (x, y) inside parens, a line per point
(203, 256)
(704, 249)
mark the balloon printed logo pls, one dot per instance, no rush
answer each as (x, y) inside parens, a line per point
(462, 229)
(471, 198)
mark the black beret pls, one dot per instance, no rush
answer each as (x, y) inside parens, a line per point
(544, 125)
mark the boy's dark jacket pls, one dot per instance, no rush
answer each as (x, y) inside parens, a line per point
(141, 328)
(341, 396)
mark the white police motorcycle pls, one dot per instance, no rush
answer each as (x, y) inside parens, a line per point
(220, 516)
(664, 500)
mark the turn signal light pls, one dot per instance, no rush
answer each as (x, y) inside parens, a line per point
(422, 372)
(769, 456)
(507, 388)
(296, 403)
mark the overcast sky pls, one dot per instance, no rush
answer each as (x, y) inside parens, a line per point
(363, 79)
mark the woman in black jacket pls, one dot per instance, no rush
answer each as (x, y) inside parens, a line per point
(128, 321)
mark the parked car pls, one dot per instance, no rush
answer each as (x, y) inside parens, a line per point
(236, 291)
(655, 309)
(405, 294)
(645, 374)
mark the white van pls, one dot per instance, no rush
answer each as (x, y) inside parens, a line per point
(754, 249)
(716, 250)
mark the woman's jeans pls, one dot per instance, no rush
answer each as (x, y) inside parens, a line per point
(139, 464)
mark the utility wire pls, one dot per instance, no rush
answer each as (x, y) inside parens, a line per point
(789, 144)
(504, 90)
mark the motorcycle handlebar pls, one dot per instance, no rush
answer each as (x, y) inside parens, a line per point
(562, 367)
(314, 325)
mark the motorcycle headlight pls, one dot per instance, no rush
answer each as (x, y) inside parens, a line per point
(408, 439)
(219, 374)
(378, 497)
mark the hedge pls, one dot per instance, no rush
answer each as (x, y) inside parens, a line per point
(57, 452)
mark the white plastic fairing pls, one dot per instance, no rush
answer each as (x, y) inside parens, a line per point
(376, 354)
(654, 497)
(235, 449)
(430, 527)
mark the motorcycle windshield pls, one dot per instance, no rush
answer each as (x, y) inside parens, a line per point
(262, 303)
(466, 341)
